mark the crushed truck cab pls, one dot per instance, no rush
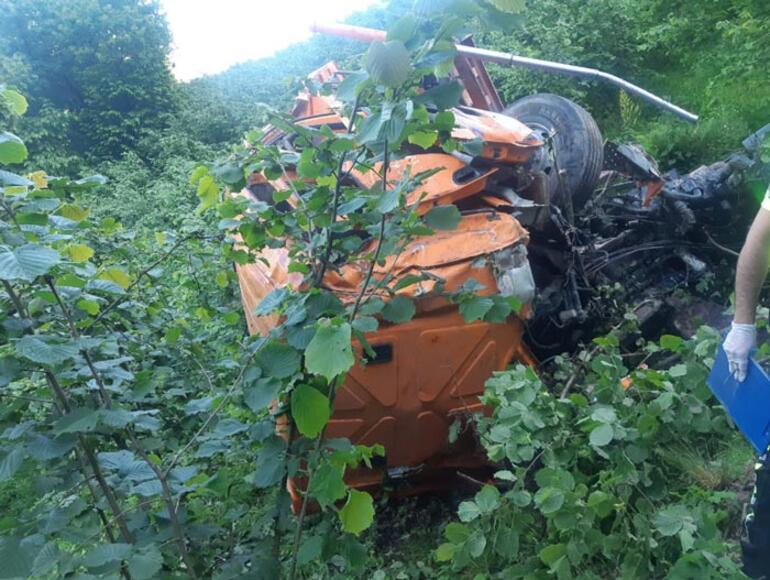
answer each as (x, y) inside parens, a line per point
(428, 372)
(532, 227)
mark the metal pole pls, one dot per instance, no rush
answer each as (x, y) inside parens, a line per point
(512, 60)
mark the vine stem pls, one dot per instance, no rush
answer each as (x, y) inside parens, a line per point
(214, 412)
(136, 445)
(336, 200)
(168, 499)
(338, 379)
(61, 402)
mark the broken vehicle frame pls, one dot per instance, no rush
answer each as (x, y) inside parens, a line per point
(641, 229)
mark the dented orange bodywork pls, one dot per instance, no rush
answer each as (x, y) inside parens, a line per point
(431, 369)
(436, 365)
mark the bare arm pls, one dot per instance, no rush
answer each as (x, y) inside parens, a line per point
(752, 268)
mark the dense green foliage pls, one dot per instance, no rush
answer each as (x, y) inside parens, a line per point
(706, 56)
(624, 473)
(136, 432)
(96, 72)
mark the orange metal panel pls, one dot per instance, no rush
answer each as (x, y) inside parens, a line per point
(437, 189)
(438, 368)
(449, 255)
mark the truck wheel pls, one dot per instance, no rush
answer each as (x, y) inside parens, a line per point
(577, 145)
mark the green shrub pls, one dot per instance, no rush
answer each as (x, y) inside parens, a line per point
(629, 474)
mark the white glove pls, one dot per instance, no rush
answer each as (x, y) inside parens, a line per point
(739, 343)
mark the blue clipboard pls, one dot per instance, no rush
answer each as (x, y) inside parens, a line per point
(748, 403)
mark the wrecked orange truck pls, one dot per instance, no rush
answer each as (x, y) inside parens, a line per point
(529, 229)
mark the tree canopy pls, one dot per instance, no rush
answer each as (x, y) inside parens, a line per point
(96, 72)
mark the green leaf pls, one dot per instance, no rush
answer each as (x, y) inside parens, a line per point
(505, 475)
(351, 86)
(15, 101)
(208, 193)
(9, 368)
(601, 435)
(73, 212)
(279, 360)
(79, 420)
(475, 308)
(45, 449)
(105, 286)
(671, 342)
(329, 353)
(444, 121)
(45, 350)
(669, 521)
(270, 462)
(487, 499)
(10, 463)
(358, 512)
(89, 306)
(310, 410)
(400, 309)
(423, 139)
(32, 219)
(149, 488)
(80, 253)
(221, 279)
(477, 543)
(307, 168)
(677, 371)
(468, 511)
(145, 563)
(604, 414)
(117, 276)
(328, 486)
(601, 503)
(558, 478)
(12, 179)
(373, 305)
(341, 143)
(443, 96)
(271, 302)
(443, 217)
(106, 553)
(228, 427)
(228, 173)
(550, 555)
(172, 334)
(388, 63)
(549, 500)
(259, 395)
(457, 533)
(365, 324)
(45, 560)
(520, 498)
(197, 174)
(16, 557)
(26, 262)
(404, 29)
(310, 550)
(445, 552)
(12, 149)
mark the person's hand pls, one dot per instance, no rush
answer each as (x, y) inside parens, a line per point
(739, 343)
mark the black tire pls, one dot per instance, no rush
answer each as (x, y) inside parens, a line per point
(577, 142)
